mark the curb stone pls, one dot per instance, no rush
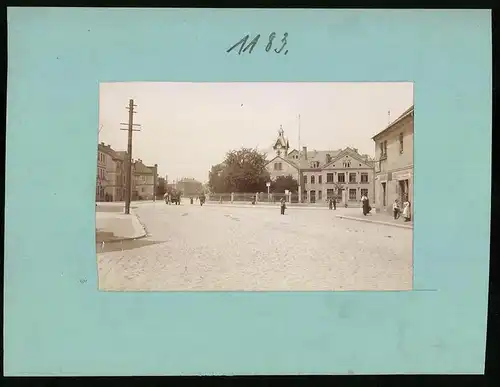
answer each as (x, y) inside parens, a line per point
(144, 233)
(144, 229)
(375, 221)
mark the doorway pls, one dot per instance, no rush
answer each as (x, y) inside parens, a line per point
(403, 190)
(313, 196)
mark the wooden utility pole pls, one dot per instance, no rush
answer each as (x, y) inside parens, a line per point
(130, 129)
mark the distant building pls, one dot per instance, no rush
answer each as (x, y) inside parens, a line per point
(394, 168)
(342, 173)
(144, 180)
(189, 187)
(110, 184)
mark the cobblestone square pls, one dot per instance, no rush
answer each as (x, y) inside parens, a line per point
(212, 248)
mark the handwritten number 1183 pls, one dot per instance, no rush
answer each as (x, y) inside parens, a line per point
(244, 47)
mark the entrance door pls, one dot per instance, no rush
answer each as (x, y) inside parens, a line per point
(313, 196)
(403, 190)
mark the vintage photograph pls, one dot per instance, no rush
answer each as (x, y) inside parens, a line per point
(255, 186)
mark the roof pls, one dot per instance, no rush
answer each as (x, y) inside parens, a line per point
(141, 169)
(121, 155)
(285, 159)
(405, 114)
(281, 140)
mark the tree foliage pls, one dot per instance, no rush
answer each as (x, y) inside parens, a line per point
(283, 183)
(243, 170)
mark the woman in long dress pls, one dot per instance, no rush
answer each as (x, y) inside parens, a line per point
(366, 205)
(406, 210)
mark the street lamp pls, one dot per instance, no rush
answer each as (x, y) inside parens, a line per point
(268, 184)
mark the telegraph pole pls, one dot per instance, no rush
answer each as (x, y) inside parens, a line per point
(130, 129)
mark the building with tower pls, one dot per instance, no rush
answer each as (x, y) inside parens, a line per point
(342, 173)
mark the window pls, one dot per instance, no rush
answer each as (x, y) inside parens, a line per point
(352, 194)
(320, 195)
(352, 177)
(341, 178)
(329, 177)
(364, 177)
(278, 166)
(320, 179)
(313, 179)
(329, 193)
(400, 142)
(364, 192)
(315, 164)
(305, 179)
(383, 149)
(346, 164)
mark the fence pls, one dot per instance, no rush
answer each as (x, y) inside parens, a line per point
(275, 198)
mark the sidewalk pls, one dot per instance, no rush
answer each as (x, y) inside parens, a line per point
(379, 218)
(112, 225)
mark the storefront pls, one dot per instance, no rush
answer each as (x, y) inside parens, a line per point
(391, 186)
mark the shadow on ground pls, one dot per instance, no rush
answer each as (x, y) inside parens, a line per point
(111, 246)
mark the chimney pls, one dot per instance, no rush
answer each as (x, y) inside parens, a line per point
(304, 151)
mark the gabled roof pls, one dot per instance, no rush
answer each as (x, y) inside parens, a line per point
(120, 155)
(141, 169)
(405, 114)
(290, 162)
(365, 159)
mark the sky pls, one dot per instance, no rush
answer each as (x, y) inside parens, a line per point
(188, 127)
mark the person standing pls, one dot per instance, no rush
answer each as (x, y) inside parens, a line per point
(330, 203)
(334, 202)
(395, 209)
(365, 205)
(406, 210)
(282, 206)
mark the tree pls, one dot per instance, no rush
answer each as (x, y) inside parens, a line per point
(216, 182)
(339, 187)
(283, 183)
(242, 170)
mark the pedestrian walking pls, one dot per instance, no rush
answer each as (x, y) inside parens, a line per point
(406, 210)
(396, 209)
(282, 206)
(365, 204)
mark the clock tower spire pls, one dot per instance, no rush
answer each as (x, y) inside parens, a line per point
(281, 144)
